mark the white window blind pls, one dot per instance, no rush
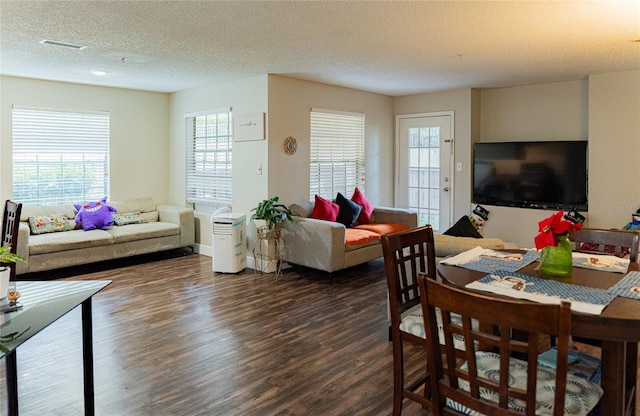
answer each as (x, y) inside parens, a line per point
(209, 157)
(59, 156)
(336, 153)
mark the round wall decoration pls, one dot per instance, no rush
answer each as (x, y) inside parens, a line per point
(290, 145)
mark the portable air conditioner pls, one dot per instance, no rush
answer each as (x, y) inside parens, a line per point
(229, 242)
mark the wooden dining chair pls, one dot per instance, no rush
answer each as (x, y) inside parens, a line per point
(493, 381)
(614, 242)
(600, 241)
(10, 227)
(406, 254)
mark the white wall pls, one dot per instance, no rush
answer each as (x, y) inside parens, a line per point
(464, 104)
(555, 111)
(614, 148)
(290, 102)
(603, 109)
(139, 131)
(247, 96)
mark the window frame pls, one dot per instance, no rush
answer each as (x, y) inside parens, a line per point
(59, 156)
(205, 189)
(337, 140)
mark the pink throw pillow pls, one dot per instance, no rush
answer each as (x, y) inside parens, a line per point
(367, 208)
(325, 210)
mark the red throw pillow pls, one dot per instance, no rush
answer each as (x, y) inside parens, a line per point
(367, 208)
(325, 210)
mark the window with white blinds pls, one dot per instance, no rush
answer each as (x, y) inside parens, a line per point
(336, 153)
(59, 156)
(209, 158)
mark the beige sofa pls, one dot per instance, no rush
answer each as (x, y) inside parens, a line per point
(165, 227)
(321, 245)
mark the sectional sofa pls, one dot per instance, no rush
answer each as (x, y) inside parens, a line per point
(331, 246)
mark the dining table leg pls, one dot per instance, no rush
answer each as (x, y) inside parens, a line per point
(613, 379)
(632, 374)
(11, 364)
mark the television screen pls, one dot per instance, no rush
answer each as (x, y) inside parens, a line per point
(544, 175)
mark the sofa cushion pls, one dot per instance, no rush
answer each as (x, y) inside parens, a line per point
(325, 210)
(146, 206)
(348, 212)
(134, 232)
(69, 240)
(367, 209)
(382, 228)
(49, 224)
(302, 209)
(127, 218)
(447, 245)
(463, 228)
(356, 238)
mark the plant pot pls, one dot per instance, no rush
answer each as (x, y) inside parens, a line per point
(556, 261)
(265, 233)
(5, 275)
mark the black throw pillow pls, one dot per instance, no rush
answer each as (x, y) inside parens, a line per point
(349, 211)
(463, 228)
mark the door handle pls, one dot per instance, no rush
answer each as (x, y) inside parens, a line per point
(446, 189)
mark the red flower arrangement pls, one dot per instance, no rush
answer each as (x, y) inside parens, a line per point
(553, 226)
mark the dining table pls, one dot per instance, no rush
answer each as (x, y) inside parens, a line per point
(617, 328)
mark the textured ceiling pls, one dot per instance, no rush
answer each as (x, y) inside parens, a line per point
(389, 47)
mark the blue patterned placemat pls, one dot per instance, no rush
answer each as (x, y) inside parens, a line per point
(600, 262)
(583, 299)
(493, 260)
(628, 286)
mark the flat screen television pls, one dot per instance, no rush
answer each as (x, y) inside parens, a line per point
(542, 175)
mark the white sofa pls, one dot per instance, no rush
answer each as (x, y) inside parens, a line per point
(165, 227)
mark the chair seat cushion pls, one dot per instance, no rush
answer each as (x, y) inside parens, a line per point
(412, 322)
(581, 396)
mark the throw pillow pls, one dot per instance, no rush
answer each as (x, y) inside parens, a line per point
(463, 228)
(367, 208)
(349, 211)
(325, 210)
(128, 218)
(49, 224)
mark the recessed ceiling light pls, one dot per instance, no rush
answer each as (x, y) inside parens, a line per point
(99, 73)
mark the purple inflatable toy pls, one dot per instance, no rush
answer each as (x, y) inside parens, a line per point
(95, 215)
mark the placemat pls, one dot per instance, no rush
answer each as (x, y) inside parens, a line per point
(583, 299)
(488, 260)
(601, 262)
(628, 286)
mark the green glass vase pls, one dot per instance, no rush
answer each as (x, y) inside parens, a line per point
(556, 261)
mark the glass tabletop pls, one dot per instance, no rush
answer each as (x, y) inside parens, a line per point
(42, 304)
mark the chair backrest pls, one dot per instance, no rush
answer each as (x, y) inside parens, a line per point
(10, 226)
(465, 381)
(406, 254)
(615, 242)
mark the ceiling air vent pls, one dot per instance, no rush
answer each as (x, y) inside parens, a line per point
(64, 44)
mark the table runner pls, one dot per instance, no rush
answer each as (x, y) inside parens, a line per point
(583, 299)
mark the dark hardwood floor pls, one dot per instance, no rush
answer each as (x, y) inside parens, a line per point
(173, 338)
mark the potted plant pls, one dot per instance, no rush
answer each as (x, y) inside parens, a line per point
(272, 214)
(6, 256)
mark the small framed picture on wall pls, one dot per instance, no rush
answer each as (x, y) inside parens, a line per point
(248, 127)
